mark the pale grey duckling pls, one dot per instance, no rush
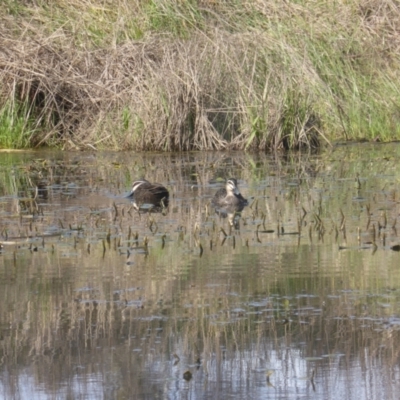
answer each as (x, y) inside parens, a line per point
(145, 192)
(229, 196)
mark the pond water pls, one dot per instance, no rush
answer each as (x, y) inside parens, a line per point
(299, 299)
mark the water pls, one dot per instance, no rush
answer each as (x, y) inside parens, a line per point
(299, 300)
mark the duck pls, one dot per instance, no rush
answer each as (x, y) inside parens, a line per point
(229, 196)
(145, 192)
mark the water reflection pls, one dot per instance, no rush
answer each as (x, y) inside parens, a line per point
(100, 301)
(232, 212)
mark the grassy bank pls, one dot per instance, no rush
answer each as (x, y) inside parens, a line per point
(166, 75)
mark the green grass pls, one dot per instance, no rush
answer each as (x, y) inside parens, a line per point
(179, 19)
(16, 131)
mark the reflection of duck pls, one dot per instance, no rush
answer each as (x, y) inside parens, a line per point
(232, 212)
(144, 192)
(229, 196)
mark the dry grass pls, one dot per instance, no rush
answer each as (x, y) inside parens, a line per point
(200, 75)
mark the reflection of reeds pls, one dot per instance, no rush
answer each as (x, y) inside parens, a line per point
(110, 276)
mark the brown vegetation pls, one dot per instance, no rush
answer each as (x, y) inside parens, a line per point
(200, 75)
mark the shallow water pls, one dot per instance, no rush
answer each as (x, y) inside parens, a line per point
(299, 300)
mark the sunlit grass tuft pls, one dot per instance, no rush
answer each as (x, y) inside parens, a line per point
(16, 130)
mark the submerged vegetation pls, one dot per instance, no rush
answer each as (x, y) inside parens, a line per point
(198, 74)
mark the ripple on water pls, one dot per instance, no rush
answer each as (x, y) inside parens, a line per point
(299, 299)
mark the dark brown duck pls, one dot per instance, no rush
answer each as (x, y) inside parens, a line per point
(145, 192)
